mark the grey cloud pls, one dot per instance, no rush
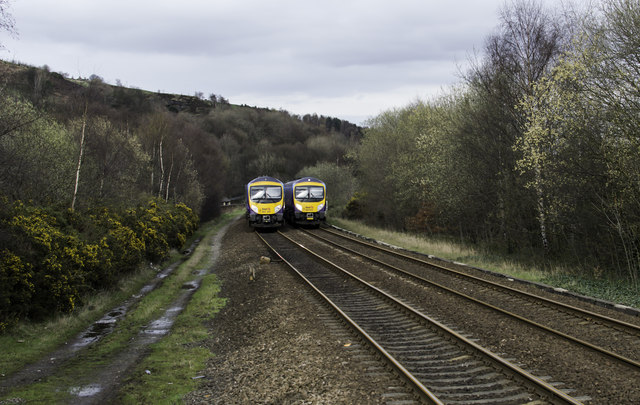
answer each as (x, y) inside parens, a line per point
(272, 50)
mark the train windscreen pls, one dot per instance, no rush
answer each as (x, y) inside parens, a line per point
(265, 194)
(309, 193)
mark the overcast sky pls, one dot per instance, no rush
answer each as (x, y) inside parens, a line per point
(349, 59)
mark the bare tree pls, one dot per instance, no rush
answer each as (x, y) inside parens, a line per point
(161, 158)
(7, 23)
(528, 43)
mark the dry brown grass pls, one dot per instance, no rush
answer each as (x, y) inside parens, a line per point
(444, 249)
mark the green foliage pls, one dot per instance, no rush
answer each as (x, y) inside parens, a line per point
(538, 152)
(260, 142)
(56, 259)
(180, 155)
(114, 162)
(16, 288)
(591, 285)
(35, 153)
(162, 226)
(582, 142)
(340, 181)
(52, 258)
(140, 144)
(388, 164)
(355, 207)
(118, 249)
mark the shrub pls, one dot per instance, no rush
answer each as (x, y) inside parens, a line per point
(56, 259)
(50, 257)
(162, 226)
(16, 288)
(184, 223)
(355, 207)
(146, 222)
(118, 247)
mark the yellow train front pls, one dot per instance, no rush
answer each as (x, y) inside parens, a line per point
(305, 201)
(265, 202)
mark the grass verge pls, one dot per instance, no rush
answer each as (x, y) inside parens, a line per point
(29, 341)
(171, 369)
(57, 388)
(617, 291)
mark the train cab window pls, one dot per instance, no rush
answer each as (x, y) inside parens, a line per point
(309, 193)
(265, 194)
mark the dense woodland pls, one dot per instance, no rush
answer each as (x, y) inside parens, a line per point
(537, 150)
(96, 179)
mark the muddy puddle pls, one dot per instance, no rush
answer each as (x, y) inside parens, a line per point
(87, 391)
(100, 328)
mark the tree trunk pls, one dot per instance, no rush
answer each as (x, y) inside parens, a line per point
(161, 170)
(153, 166)
(542, 218)
(84, 125)
(166, 198)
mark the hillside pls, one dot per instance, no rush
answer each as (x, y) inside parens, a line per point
(96, 179)
(222, 145)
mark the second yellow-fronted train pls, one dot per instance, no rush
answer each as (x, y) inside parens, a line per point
(305, 201)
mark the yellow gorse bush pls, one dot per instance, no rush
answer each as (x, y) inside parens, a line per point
(54, 257)
(16, 287)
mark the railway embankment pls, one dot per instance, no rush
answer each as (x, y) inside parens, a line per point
(247, 330)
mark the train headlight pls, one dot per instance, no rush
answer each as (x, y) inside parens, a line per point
(320, 207)
(278, 208)
(298, 207)
(254, 208)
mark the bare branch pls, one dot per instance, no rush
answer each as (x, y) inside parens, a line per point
(7, 23)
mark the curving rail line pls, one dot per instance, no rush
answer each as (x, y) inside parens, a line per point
(627, 335)
(442, 365)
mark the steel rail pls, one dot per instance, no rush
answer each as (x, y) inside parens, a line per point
(581, 311)
(627, 361)
(535, 381)
(422, 391)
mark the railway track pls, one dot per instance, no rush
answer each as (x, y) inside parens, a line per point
(611, 337)
(441, 364)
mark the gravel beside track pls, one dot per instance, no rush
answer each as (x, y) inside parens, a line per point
(581, 371)
(276, 344)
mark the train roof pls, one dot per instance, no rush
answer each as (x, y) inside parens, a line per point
(265, 178)
(305, 179)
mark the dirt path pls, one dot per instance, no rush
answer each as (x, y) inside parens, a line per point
(48, 364)
(105, 380)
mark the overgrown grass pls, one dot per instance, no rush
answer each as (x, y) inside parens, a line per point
(29, 341)
(618, 291)
(150, 307)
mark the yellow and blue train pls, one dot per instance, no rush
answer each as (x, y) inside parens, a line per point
(265, 202)
(305, 201)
